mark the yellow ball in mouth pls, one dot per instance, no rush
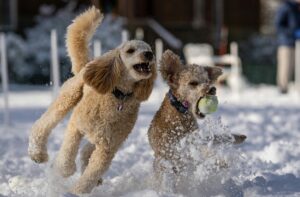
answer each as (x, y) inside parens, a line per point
(208, 104)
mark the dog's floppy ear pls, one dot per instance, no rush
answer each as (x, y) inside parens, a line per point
(103, 73)
(143, 88)
(170, 66)
(213, 72)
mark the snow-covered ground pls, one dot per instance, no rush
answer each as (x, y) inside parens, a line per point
(267, 164)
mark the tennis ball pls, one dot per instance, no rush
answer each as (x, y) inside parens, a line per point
(208, 104)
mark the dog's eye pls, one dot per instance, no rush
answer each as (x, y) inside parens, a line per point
(193, 83)
(131, 50)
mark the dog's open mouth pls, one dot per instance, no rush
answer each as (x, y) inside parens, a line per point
(199, 114)
(142, 68)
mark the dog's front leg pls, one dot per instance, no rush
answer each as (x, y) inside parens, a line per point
(85, 155)
(98, 163)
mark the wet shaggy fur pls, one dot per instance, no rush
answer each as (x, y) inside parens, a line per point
(95, 115)
(188, 83)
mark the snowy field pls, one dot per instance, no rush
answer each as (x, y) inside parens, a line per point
(267, 164)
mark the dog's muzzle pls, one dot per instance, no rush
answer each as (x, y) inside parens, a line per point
(144, 68)
(211, 91)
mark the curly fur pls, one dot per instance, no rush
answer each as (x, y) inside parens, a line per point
(78, 36)
(103, 73)
(143, 88)
(170, 66)
(169, 125)
(95, 115)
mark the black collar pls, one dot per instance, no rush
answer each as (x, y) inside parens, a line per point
(181, 107)
(120, 95)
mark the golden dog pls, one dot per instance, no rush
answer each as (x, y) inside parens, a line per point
(105, 93)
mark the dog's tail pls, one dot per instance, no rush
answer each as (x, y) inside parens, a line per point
(78, 36)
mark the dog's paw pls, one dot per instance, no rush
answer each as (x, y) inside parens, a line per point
(69, 195)
(38, 156)
(65, 169)
(238, 139)
(66, 172)
(85, 185)
(36, 150)
(99, 182)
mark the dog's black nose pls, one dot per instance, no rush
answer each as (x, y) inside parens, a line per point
(212, 91)
(148, 55)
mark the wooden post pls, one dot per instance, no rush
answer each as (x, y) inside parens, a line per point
(97, 48)
(234, 49)
(125, 36)
(13, 10)
(158, 53)
(4, 76)
(55, 63)
(139, 34)
(158, 49)
(219, 15)
(235, 80)
(236, 66)
(199, 13)
(297, 65)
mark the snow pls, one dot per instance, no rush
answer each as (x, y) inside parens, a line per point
(267, 164)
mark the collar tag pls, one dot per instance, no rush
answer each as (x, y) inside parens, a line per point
(120, 107)
(186, 104)
(122, 97)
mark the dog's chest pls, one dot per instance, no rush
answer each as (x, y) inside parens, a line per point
(179, 126)
(169, 123)
(126, 116)
(171, 127)
(95, 110)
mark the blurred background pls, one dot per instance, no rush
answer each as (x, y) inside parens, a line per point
(238, 35)
(250, 24)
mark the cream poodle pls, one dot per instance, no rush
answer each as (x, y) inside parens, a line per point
(105, 93)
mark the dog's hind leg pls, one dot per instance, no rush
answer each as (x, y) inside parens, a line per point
(98, 163)
(70, 94)
(65, 161)
(85, 155)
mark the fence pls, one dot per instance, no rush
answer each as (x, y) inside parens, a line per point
(4, 77)
(231, 58)
(55, 74)
(297, 66)
(202, 54)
